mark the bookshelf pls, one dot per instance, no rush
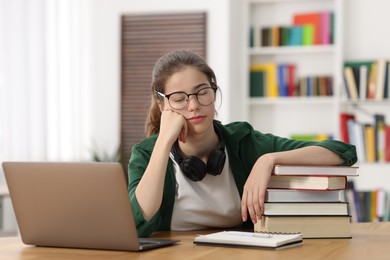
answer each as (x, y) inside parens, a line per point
(286, 116)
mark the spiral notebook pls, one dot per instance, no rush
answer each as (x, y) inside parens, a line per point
(264, 240)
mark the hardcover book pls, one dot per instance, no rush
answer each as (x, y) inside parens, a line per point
(308, 182)
(309, 226)
(316, 170)
(305, 208)
(282, 195)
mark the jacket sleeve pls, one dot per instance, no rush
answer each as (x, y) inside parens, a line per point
(136, 168)
(347, 152)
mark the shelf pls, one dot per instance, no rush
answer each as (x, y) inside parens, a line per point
(317, 49)
(367, 102)
(292, 101)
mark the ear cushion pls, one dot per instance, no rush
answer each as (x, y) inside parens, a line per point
(194, 168)
(216, 162)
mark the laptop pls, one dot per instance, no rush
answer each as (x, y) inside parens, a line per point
(74, 205)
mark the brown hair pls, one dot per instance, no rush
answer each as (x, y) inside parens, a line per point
(164, 68)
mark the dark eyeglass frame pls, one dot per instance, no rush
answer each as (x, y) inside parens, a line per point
(212, 86)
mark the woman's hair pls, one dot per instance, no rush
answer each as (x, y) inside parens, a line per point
(164, 68)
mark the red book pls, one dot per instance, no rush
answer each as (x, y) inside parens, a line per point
(313, 19)
(344, 117)
(387, 143)
(291, 80)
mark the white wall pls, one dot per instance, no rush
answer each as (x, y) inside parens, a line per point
(105, 50)
(367, 34)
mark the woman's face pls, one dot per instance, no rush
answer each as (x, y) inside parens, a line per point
(199, 117)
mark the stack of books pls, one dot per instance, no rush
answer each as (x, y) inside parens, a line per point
(309, 200)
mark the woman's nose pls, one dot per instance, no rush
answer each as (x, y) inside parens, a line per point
(193, 103)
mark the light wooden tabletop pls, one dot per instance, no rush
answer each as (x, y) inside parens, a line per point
(370, 241)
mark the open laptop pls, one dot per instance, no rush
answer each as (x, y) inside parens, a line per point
(75, 205)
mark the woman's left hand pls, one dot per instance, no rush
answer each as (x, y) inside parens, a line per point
(255, 188)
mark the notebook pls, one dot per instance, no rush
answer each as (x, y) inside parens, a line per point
(250, 239)
(74, 205)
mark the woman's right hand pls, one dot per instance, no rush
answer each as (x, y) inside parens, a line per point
(173, 126)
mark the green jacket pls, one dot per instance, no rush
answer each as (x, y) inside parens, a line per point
(244, 146)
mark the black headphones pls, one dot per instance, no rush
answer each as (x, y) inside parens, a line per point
(194, 168)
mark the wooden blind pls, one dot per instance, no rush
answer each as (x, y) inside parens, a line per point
(144, 39)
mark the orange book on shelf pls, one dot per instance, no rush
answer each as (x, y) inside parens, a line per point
(370, 143)
(372, 82)
(310, 18)
(275, 36)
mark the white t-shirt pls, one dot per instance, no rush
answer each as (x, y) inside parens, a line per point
(213, 202)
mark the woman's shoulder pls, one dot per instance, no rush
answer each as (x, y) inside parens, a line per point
(234, 127)
(235, 130)
(147, 143)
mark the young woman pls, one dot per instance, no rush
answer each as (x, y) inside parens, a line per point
(192, 172)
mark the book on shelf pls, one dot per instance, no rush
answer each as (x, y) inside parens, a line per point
(285, 195)
(307, 182)
(356, 135)
(312, 26)
(351, 84)
(369, 79)
(315, 86)
(344, 117)
(271, 85)
(370, 142)
(315, 170)
(291, 79)
(387, 143)
(369, 205)
(308, 37)
(309, 226)
(275, 36)
(296, 35)
(360, 76)
(363, 82)
(325, 25)
(256, 83)
(282, 75)
(380, 79)
(312, 137)
(372, 81)
(250, 239)
(379, 128)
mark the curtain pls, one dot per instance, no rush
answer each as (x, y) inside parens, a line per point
(44, 80)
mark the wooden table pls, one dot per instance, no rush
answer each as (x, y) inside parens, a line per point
(370, 241)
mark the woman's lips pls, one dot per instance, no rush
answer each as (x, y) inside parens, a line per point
(196, 119)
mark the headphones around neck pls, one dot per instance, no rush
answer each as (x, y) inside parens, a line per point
(194, 168)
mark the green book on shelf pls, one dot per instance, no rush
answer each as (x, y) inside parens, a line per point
(257, 83)
(308, 34)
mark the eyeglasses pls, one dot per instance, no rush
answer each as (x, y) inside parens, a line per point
(179, 100)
